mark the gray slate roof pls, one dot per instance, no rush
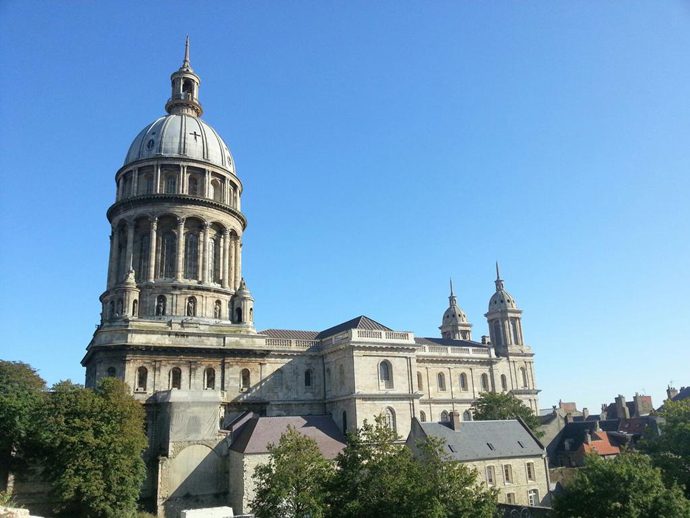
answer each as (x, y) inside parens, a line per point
(479, 440)
(448, 341)
(259, 432)
(360, 322)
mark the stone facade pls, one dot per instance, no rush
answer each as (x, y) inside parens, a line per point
(177, 314)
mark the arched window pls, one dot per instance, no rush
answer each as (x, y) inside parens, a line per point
(467, 415)
(148, 184)
(121, 254)
(191, 306)
(516, 333)
(386, 374)
(444, 417)
(420, 381)
(422, 416)
(135, 308)
(498, 337)
(175, 378)
(504, 383)
(119, 310)
(214, 259)
(193, 186)
(191, 256)
(523, 376)
(389, 417)
(111, 309)
(238, 315)
(170, 184)
(160, 305)
(210, 379)
(112, 372)
(463, 382)
(344, 421)
(216, 191)
(167, 256)
(307, 378)
(245, 379)
(188, 87)
(143, 266)
(441, 381)
(484, 381)
(142, 378)
(341, 375)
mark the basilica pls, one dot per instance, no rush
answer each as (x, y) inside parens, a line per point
(177, 321)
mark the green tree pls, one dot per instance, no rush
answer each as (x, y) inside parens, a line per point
(22, 392)
(670, 449)
(625, 487)
(293, 482)
(93, 441)
(379, 477)
(495, 405)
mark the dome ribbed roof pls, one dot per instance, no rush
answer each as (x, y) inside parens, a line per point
(454, 315)
(502, 300)
(180, 136)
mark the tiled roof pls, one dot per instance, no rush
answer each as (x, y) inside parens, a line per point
(476, 440)
(290, 334)
(601, 445)
(683, 394)
(259, 432)
(360, 322)
(447, 341)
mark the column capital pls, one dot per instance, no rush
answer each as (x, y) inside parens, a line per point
(181, 220)
(205, 225)
(226, 233)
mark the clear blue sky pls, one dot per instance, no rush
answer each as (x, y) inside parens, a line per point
(384, 146)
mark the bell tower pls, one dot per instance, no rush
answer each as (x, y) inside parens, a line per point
(454, 324)
(185, 89)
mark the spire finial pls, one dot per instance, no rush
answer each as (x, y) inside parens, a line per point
(451, 287)
(499, 281)
(185, 63)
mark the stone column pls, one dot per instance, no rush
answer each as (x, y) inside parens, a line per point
(180, 249)
(231, 261)
(130, 245)
(157, 179)
(238, 261)
(112, 267)
(183, 179)
(135, 182)
(207, 184)
(225, 259)
(151, 274)
(204, 254)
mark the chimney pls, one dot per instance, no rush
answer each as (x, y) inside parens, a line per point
(621, 408)
(671, 392)
(485, 340)
(455, 420)
(585, 413)
(643, 405)
(597, 428)
(588, 437)
(568, 417)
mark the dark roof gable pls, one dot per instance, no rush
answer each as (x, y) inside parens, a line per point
(360, 322)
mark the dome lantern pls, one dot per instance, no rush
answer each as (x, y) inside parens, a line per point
(185, 89)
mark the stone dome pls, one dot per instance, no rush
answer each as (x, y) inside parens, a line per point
(454, 315)
(502, 300)
(181, 136)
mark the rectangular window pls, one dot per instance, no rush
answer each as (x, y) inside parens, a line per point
(510, 498)
(533, 497)
(508, 473)
(170, 185)
(530, 471)
(490, 475)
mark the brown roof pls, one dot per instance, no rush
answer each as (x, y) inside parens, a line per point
(601, 445)
(290, 334)
(259, 432)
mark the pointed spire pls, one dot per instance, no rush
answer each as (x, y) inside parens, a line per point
(185, 63)
(499, 281)
(452, 299)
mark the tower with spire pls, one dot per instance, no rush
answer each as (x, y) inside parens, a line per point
(454, 324)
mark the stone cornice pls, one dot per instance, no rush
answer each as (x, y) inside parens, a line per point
(151, 200)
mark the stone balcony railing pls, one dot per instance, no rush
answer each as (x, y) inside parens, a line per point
(456, 351)
(372, 336)
(286, 343)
